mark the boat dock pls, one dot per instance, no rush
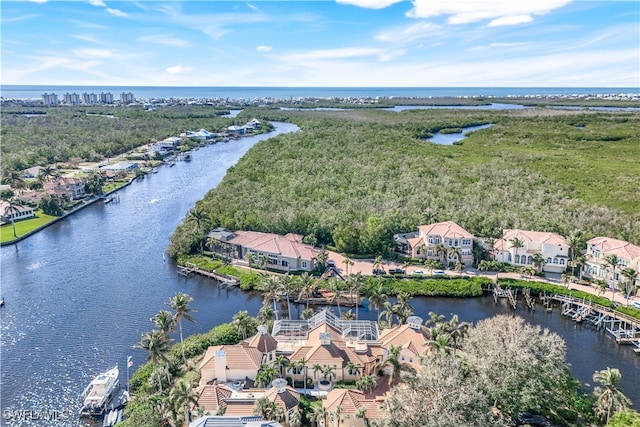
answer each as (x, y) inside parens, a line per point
(189, 268)
(498, 292)
(624, 328)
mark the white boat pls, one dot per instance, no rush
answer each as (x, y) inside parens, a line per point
(99, 392)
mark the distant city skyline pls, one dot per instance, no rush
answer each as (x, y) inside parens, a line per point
(343, 43)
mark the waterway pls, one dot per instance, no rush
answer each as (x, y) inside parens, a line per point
(450, 138)
(80, 293)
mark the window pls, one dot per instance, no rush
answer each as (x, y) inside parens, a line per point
(549, 260)
(273, 260)
(517, 259)
(285, 263)
(561, 261)
(455, 243)
(304, 264)
(530, 260)
(509, 257)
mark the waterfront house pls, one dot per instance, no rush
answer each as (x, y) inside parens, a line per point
(445, 241)
(253, 124)
(235, 130)
(411, 338)
(32, 172)
(201, 135)
(282, 253)
(121, 166)
(552, 248)
(14, 212)
(71, 187)
(356, 408)
(230, 363)
(599, 249)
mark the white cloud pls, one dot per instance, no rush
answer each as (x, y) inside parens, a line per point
(499, 12)
(164, 39)
(329, 54)
(97, 3)
(116, 12)
(88, 39)
(264, 48)
(178, 69)
(369, 4)
(93, 53)
(409, 33)
(38, 1)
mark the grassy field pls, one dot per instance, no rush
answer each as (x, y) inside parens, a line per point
(352, 179)
(25, 226)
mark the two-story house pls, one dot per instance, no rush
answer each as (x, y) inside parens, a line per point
(601, 248)
(443, 241)
(72, 187)
(519, 248)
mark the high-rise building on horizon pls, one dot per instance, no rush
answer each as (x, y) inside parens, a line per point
(49, 99)
(127, 98)
(71, 98)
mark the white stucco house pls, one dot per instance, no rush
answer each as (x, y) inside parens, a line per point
(599, 248)
(553, 248)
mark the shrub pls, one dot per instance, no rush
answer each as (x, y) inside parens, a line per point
(548, 288)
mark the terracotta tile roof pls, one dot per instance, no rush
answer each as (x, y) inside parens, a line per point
(239, 407)
(238, 357)
(287, 399)
(266, 343)
(405, 337)
(534, 236)
(290, 246)
(212, 397)
(415, 241)
(351, 401)
(447, 229)
(620, 248)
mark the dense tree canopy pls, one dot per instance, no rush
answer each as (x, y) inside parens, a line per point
(353, 178)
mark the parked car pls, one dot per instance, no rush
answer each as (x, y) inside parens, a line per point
(378, 272)
(418, 272)
(439, 273)
(636, 304)
(331, 263)
(396, 271)
(527, 419)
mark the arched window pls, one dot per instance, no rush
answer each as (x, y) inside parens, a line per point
(549, 260)
(530, 260)
(509, 257)
(517, 259)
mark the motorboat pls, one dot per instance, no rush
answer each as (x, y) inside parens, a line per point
(99, 393)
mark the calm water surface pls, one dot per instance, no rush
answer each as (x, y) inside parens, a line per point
(450, 138)
(80, 293)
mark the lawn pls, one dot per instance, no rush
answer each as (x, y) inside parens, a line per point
(25, 226)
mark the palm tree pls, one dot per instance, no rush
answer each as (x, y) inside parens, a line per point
(483, 265)
(431, 264)
(316, 368)
(630, 274)
(538, 261)
(320, 413)
(322, 257)
(352, 368)
(347, 263)
(265, 408)
(271, 286)
(377, 297)
(295, 419)
(280, 363)
(601, 286)
(335, 286)
(251, 259)
(517, 243)
(179, 303)
(576, 243)
(402, 308)
(609, 398)
(328, 371)
(565, 279)
(307, 314)
(457, 330)
(387, 313)
(348, 315)
(366, 383)
(579, 262)
(160, 377)
(200, 217)
(335, 415)
(356, 282)
(11, 211)
(156, 344)
(302, 366)
(165, 322)
(441, 251)
(287, 286)
(612, 262)
(266, 374)
(183, 395)
(396, 365)
(305, 284)
(377, 263)
(243, 323)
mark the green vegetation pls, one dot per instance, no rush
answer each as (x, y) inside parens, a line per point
(24, 226)
(71, 135)
(352, 179)
(447, 287)
(629, 311)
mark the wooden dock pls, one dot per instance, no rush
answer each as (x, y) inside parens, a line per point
(624, 328)
(498, 292)
(189, 268)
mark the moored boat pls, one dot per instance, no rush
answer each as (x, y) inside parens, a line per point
(99, 392)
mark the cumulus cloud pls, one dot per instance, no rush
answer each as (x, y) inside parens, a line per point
(369, 4)
(264, 48)
(97, 3)
(178, 69)
(498, 12)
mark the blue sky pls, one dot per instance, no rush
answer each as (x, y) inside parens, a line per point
(519, 43)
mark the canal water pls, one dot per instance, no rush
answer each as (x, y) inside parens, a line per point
(80, 293)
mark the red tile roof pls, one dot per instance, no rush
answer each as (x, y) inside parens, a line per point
(447, 229)
(290, 246)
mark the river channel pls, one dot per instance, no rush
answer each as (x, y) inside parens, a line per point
(80, 293)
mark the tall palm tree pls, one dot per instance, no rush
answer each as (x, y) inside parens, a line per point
(251, 259)
(305, 284)
(179, 303)
(265, 408)
(377, 263)
(366, 383)
(431, 264)
(611, 263)
(517, 243)
(181, 396)
(609, 398)
(347, 263)
(320, 413)
(441, 251)
(576, 243)
(322, 257)
(266, 374)
(271, 287)
(335, 286)
(579, 262)
(165, 322)
(295, 419)
(156, 344)
(280, 363)
(335, 415)
(11, 211)
(243, 323)
(302, 366)
(601, 286)
(328, 371)
(352, 368)
(356, 282)
(631, 275)
(201, 218)
(316, 368)
(377, 297)
(538, 261)
(160, 377)
(387, 313)
(287, 285)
